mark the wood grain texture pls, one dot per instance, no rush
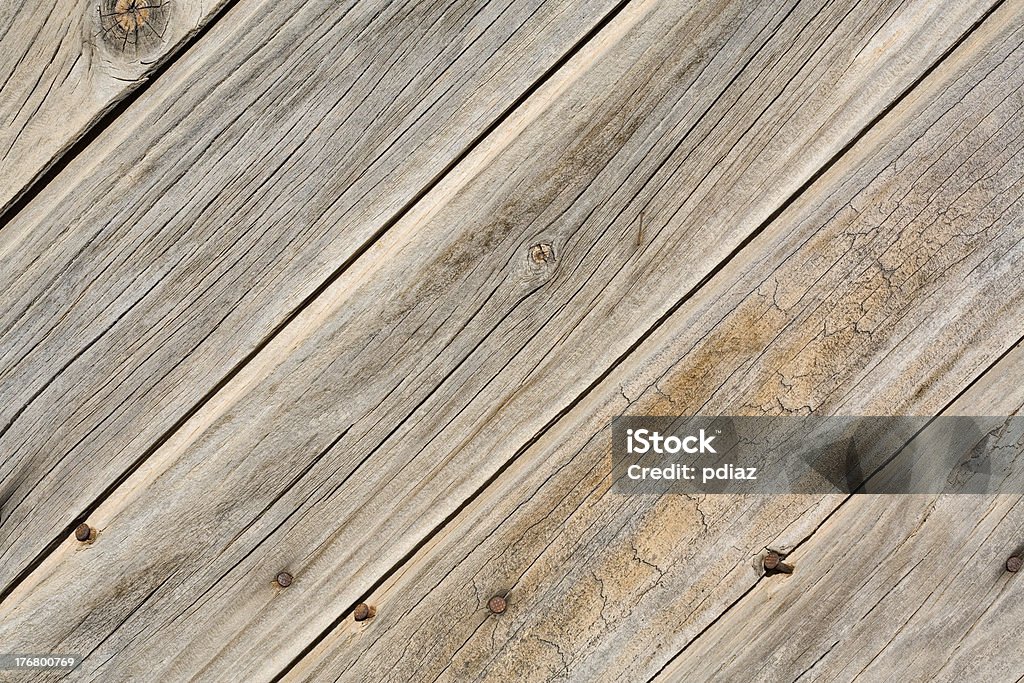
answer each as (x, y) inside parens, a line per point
(64, 64)
(191, 230)
(909, 588)
(429, 364)
(886, 288)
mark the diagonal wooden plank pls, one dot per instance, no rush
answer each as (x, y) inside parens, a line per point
(64, 65)
(424, 368)
(218, 207)
(909, 587)
(886, 288)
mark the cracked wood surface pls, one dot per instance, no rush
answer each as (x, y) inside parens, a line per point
(909, 587)
(905, 252)
(190, 231)
(440, 355)
(64, 64)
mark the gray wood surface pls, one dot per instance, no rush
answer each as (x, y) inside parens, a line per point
(905, 252)
(64, 64)
(910, 588)
(441, 353)
(176, 245)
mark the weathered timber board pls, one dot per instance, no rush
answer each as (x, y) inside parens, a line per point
(887, 288)
(188, 232)
(64, 64)
(907, 588)
(427, 366)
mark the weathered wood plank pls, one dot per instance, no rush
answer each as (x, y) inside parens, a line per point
(884, 290)
(189, 232)
(424, 369)
(889, 588)
(64, 64)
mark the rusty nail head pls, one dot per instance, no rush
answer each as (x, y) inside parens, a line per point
(362, 612)
(284, 579)
(773, 563)
(83, 532)
(1014, 564)
(497, 604)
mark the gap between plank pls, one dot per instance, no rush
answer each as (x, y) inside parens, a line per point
(295, 312)
(837, 508)
(643, 337)
(103, 119)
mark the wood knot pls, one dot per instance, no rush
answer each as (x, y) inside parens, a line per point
(542, 252)
(133, 24)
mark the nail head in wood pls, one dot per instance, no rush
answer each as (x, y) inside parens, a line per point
(284, 579)
(83, 532)
(497, 604)
(362, 612)
(1014, 564)
(773, 563)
